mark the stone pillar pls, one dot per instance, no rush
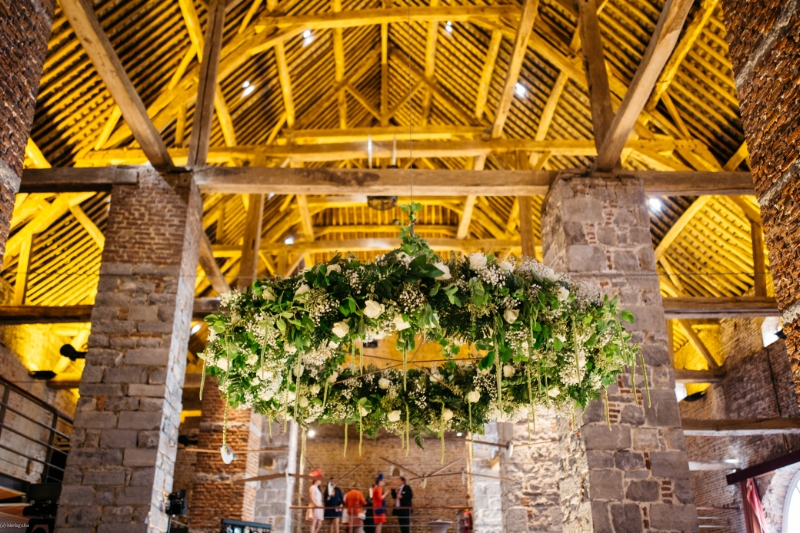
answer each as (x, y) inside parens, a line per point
(765, 54)
(124, 441)
(634, 477)
(218, 491)
(24, 32)
(274, 496)
(485, 493)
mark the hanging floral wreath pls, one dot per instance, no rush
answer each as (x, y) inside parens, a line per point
(292, 347)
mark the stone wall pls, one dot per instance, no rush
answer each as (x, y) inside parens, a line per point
(326, 451)
(119, 471)
(24, 33)
(765, 54)
(633, 476)
(757, 384)
(274, 497)
(486, 493)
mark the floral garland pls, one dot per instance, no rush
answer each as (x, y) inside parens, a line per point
(292, 347)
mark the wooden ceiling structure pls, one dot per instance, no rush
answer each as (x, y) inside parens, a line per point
(473, 85)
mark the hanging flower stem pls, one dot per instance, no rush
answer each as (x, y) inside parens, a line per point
(325, 395)
(360, 430)
(646, 385)
(408, 432)
(203, 379)
(608, 416)
(346, 427)
(303, 447)
(405, 367)
(225, 423)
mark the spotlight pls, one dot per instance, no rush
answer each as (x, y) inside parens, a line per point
(459, 434)
(655, 204)
(448, 27)
(71, 353)
(44, 375)
(289, 240)
(270, 196)
(196, 328)
(307, 38)
(312, 433)
(521, 91)
(248, 91)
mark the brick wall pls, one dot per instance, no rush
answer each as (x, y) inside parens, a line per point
(757, 384)
(765, 53)
(326, 451)
(635, 476)
(119, 471)
(218, 490)
(24, 33)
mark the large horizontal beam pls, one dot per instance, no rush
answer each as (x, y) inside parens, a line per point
(39, 314)
(741, 307)
(744, 427)
(317, 181)
(380, 149)
(688, 377)
(764, 468)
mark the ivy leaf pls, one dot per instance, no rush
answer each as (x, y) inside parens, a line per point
(627, 316)
(281, 323)
(557, 344)
(344, 310)
(487, 361)
(435, 289)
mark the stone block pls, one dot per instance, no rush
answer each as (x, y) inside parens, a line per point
(626, 518)
(140, 457)
(601, 523)
(627, 460)
(147, 357)
(625, 261)
(663, 411)
(605, 484)
(143, 476)
(582, 209)
(667, 517)
(599, 437)
(153, 391)
(139, 420)
(134, 495)
(118, 438)
(76, 495)
(586, 258)
(104, 477)
(643, 491)
(100, 389)
(516, 519)
(125, 374)
(122, 528)
(143, 313)
(670, 465)
(83, 515)
(95, 420)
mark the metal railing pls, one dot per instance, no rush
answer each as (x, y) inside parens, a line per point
(237, 526)
(419, 519)
(34, 436)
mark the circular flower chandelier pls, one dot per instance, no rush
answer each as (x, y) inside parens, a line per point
(293, 347)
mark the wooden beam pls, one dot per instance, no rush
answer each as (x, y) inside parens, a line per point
(698, 343)
(33, 152)
(251, 242)
(383, 133)
(68, 179)
(527, 18)
(356, 150)
(693, 31)
(689, 183)
(210, 267)
(698, 376)
(759, 261)
(711, 466)
(594, 65)
(680, 224)
(305, 217)
(90, 227)
(430, 64)
(87, 28)
(338, 67)
(764, 467)
(111, 123)
(486, 73)
(361, 99)
(662, 43)
(744, 427)
(526, 226)
(385, 74)
(466, 217)
(737, 158)
(207, 88)
(369, 245)
(737, 307)
(41, 314)
(23, 270)
(402, 15)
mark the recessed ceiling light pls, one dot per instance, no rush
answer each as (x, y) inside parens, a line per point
(248, 90)
(520, 90)
(311, 433)
(289, 240)
(196, 328)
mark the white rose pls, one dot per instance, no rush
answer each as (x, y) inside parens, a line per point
(563, 294)
(562, 338)
(474, 396)
(269, 295)
(404, 258)
(394, 416)
(340, 329)
(511, 315)
(509, 371)
(333, 268)
(314, 389)
(447, 415)
(444, 268)
(252, 359)
(553, 392)
(401, 324)
(362, 410)
(303, 402)
(477, 261)
(290, 348)
(332, 377)
(505, 266)
(267, 394)
(372, 309)
(222, 363)
(384, 383)
(302, 289)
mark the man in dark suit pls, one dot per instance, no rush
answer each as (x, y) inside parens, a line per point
(403, 501)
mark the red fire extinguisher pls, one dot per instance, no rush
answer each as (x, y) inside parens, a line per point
(466, 522)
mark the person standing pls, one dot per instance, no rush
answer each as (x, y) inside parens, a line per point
(316, 511)
(354, 502)
(379, 504)
(334, 501)
(403, 502)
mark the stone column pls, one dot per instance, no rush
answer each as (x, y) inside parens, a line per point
(24, 32)
(124, 441)
(634, 477)
(485, 493)
(765, 54)
(218, 490)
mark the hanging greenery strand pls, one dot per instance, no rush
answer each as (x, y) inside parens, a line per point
(286, 347)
